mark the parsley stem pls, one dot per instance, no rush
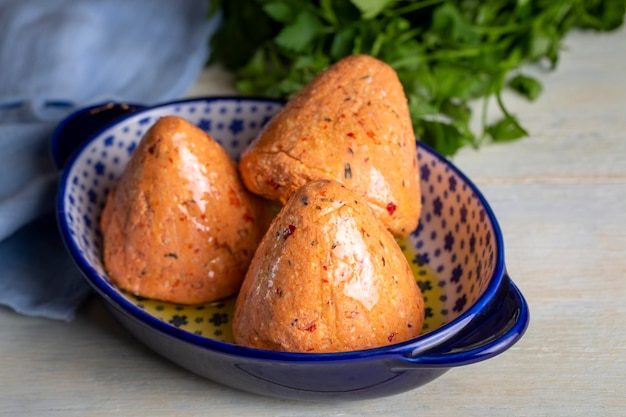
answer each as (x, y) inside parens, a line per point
(442, 55)
(415, 6)
(483, 119)
(328, 13)
(506, 113)
(586, 17)
(408, 35)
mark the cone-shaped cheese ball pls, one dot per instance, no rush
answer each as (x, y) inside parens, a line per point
(350, 124)
(327, 277)
(179, 225)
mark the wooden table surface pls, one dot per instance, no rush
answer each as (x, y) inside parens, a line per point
(560, 197)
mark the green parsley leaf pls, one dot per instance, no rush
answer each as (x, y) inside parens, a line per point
(299, 35)
(343, 42)
(506, 129)
(371, 8)
(279, 11)
(527, 86)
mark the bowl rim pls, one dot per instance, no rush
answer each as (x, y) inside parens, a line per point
(410, 348)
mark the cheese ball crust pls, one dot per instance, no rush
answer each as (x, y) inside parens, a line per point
(327, 277)
(179, 225)
(350, 124)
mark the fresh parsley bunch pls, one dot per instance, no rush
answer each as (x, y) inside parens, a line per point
(447, 53)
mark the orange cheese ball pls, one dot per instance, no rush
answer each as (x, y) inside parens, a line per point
(179, 225)
(350, 124)
(327, 277)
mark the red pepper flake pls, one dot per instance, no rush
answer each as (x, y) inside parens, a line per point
(391, 336)
(310, 328)
(289, 231)
(324, 280)
(351, 314)
(370, 134)
(367, 159)
(324, 267)
(350, 134)
(233, 199)
(248, 217)
(391, 208)
(279, 292)
(270, 181)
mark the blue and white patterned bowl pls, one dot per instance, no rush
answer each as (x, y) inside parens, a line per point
(473, 309)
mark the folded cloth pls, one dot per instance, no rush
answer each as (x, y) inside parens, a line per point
(58, 56)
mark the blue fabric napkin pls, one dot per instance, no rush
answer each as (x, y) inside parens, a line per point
(57, 56)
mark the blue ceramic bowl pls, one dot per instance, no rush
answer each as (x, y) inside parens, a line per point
(473, 309)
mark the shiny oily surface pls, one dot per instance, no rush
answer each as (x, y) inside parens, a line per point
(179, 225)
(328, 276)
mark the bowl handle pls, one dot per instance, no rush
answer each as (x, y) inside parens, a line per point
(72, 131)
(490, 333)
